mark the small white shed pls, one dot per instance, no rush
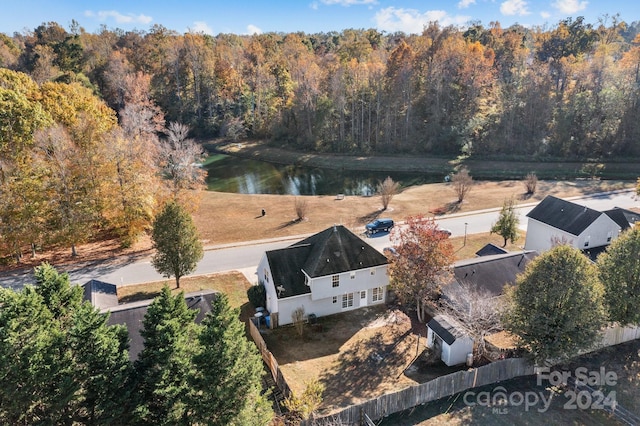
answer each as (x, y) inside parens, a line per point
(447, 336)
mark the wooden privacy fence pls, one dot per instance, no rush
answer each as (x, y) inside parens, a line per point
(269, 359)
(440, 387)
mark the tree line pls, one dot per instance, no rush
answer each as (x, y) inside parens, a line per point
(568, 91)
(71, 168)
(60, 363)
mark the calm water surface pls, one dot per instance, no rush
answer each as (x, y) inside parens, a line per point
(244, 176)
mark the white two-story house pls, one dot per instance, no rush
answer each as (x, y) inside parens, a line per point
(555, 220)
(327, 273)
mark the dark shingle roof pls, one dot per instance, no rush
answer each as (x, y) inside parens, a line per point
(132, 314)
(624, 218)
(491, 273)
(564, 215)
(490, 249)
(447, 328)
(286, 269)
(332, 251)
(100, 294)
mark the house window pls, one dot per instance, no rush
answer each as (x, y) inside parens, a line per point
(347, 300)
(335, 281)
(373, 272)
(353, 275)
(586, 241)
(266, 275)
(378, 294)
(609, 236)
(363, 294)
(335, 299)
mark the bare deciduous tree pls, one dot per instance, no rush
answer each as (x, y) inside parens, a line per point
(530, 183)
(301, 207)
(179, 158)
(478, 310)
(387, 189)
(462, 183)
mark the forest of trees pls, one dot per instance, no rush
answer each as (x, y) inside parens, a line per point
(571, 90)
(96, 128)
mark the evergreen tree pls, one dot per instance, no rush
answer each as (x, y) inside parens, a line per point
(175, 238)
(507, 223)
(619, 269)
(226, 381)
(556, 305)
(59, 361)
(165, 363)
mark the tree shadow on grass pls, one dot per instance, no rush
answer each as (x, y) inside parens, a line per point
(363, 368)
(370, 217)
(452, 207)
(288, 224)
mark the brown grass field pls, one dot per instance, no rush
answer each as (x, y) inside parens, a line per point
(226, 218)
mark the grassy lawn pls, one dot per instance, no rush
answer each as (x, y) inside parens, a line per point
(356, 355)
(233, 284)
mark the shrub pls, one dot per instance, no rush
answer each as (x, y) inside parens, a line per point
(257, 295)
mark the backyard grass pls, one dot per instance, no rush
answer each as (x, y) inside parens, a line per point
(356, 355)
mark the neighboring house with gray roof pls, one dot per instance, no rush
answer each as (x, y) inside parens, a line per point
(555, 219)
(489, 275)
(327, 273)
(103, 296)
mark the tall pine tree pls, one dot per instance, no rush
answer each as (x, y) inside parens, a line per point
(226, 381)
(164, 365)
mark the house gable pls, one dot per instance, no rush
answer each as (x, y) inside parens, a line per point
(333, 251)
(623, 217)
(564, 215)
(286, 270)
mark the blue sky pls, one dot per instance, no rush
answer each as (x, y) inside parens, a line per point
(257, 16)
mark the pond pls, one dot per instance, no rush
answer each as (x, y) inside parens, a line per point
(245, 176)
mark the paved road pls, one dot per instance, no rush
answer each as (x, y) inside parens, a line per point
(245, 256)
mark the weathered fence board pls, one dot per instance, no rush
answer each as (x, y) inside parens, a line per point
(440, 387)
(269, 359)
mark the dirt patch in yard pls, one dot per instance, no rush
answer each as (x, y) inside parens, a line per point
(356, 355)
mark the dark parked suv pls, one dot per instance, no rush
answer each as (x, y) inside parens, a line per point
(379, 225)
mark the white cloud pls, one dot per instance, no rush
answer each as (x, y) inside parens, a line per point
(252, 29)
(201, 27)
(545, 15)
(570, 6)
(130, 18)
(348, 2)
(413, 21)
(514, 7)
(463, 4)
(314, 5)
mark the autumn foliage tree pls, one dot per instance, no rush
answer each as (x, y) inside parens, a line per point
(423, 261)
